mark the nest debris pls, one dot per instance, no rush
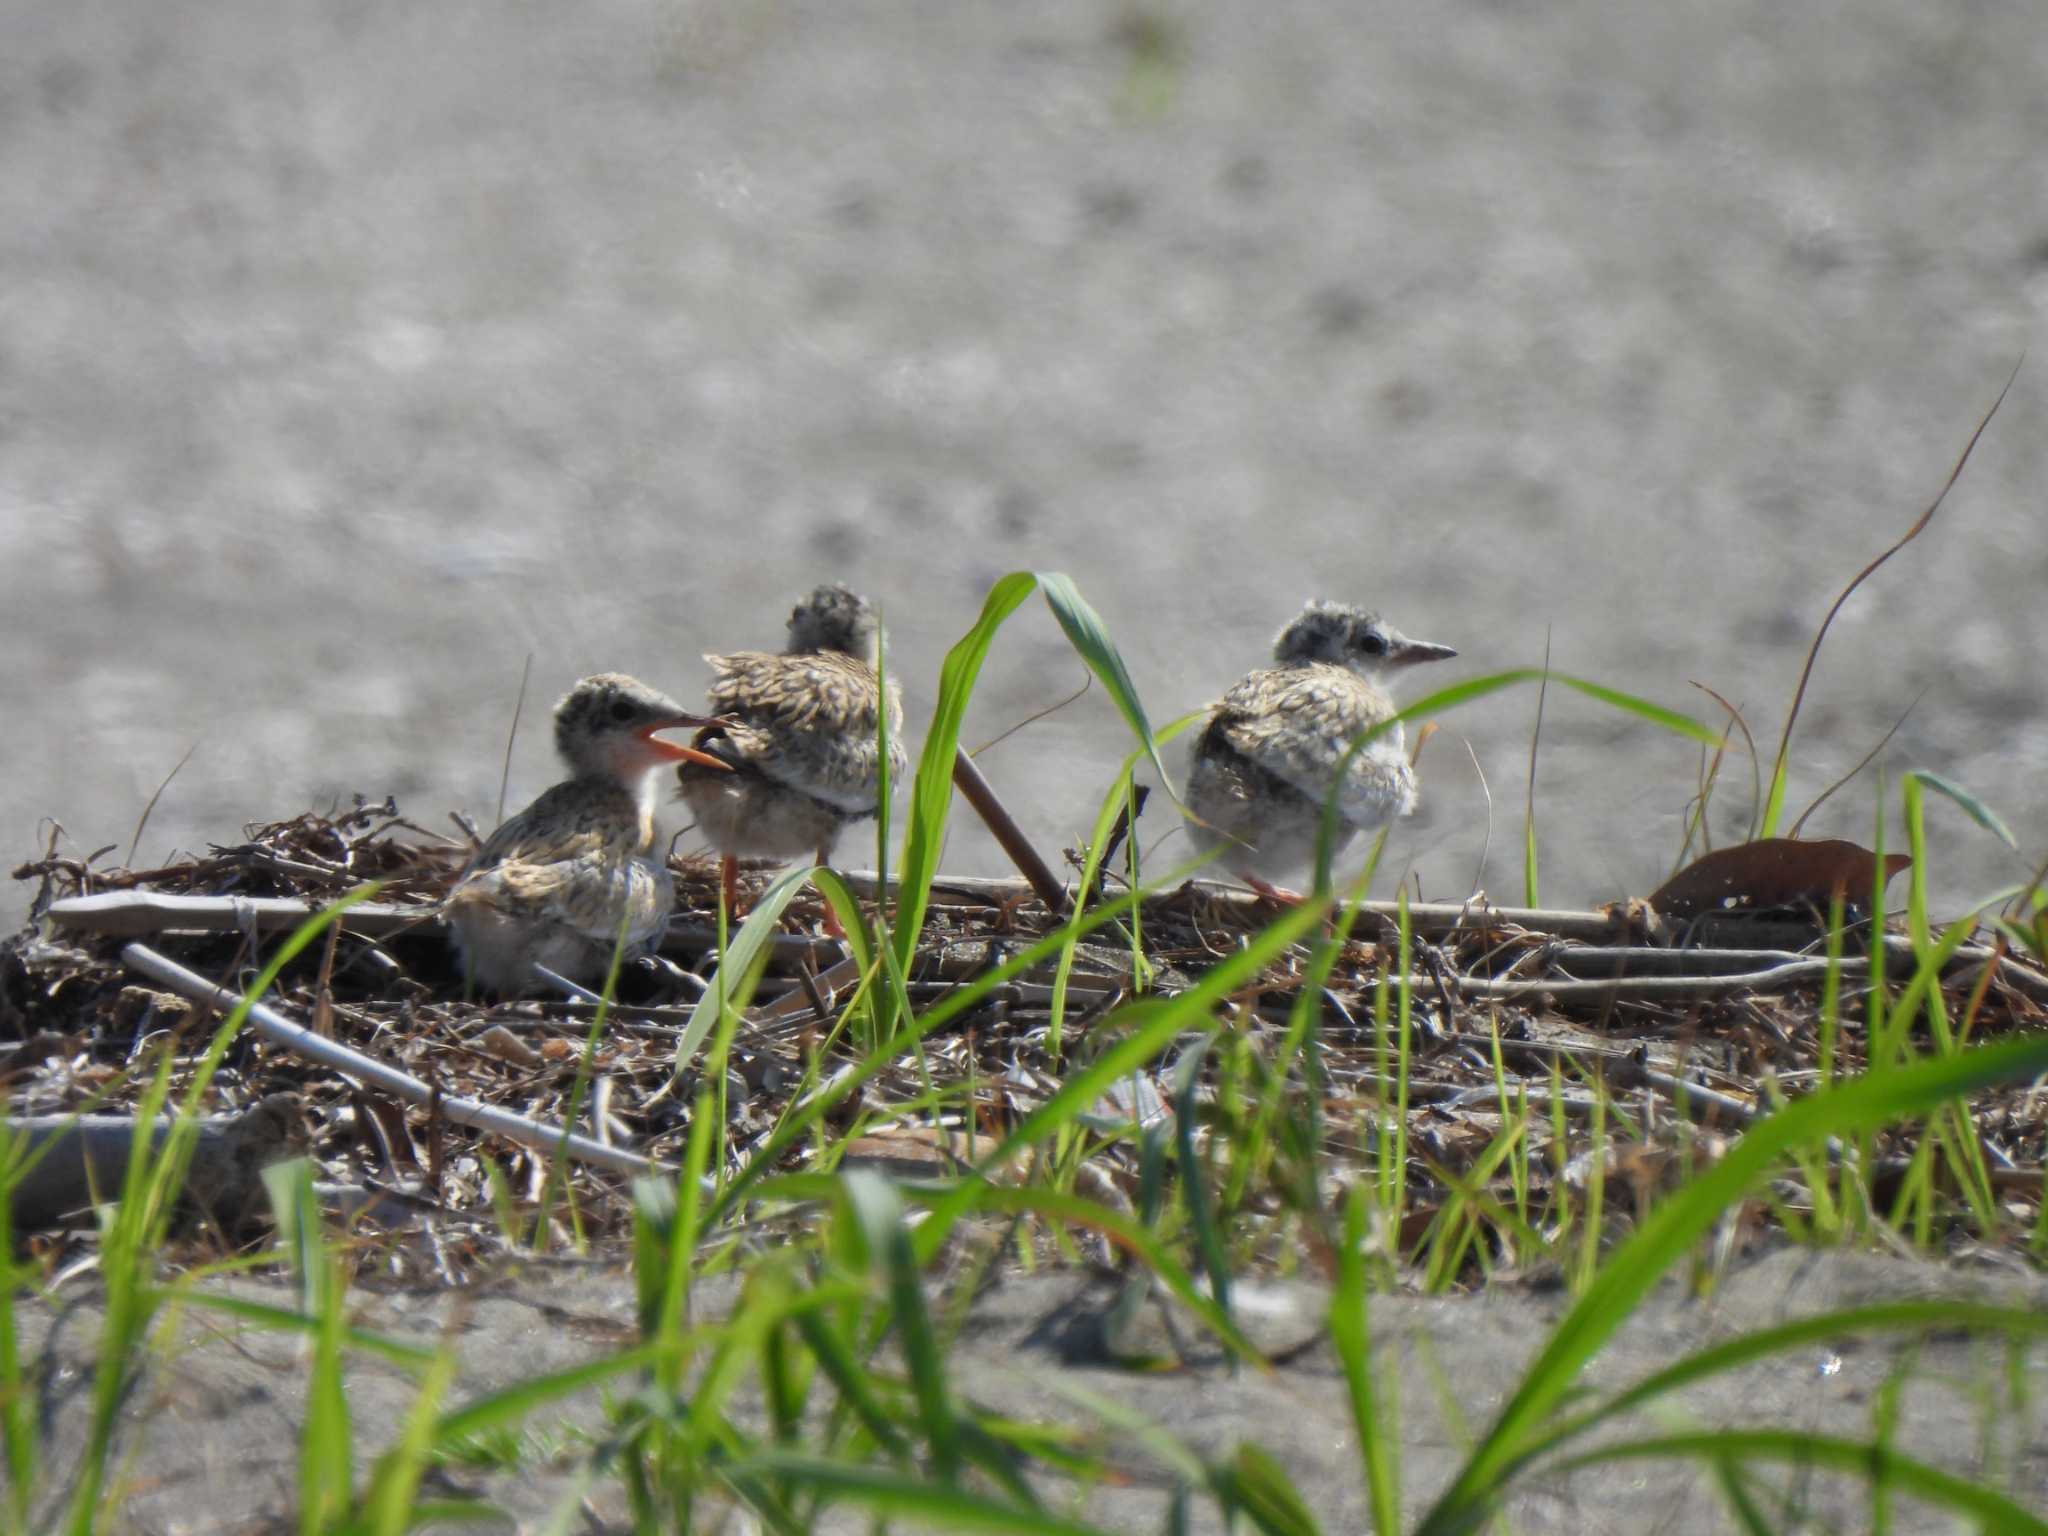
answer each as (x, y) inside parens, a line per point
(1680, 1048)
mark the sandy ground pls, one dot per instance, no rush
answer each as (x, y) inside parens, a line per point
(351, 354)
(223, 1415)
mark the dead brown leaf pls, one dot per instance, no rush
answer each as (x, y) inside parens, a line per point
(1773, 872)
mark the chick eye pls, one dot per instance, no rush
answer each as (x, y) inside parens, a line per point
(1373, 644)
(621, 710)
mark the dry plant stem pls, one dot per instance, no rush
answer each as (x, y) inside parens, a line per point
(1627, 959)
(1620, 1068)
(275, 1027)
(1813, 651)
(1124, 826)
(978, 793)
(1535, 741)
(512, 737)
(1800, 972)
(1486, 842)
(1868, 758)
(1087, 682)
(147, 810)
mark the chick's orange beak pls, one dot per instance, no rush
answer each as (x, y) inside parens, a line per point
(675, 752)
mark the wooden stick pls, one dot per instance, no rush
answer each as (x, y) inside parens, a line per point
(978, 793)
(80, 1159)
(274, 1026)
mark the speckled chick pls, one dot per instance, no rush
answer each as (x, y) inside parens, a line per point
(1267, 759)
(554, 884)
(800, 738)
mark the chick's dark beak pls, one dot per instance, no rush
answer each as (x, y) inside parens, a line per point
(1405, 652)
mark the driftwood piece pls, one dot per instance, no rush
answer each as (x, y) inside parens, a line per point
(274, 1026)
(127, 913)
(135, 914)
(80, 1160)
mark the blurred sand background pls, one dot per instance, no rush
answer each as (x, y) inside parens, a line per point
(351, 352)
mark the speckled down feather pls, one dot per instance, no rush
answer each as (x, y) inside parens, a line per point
(555, 883)
(1269, 756)
(802, 740)
(558, 883)
(809, 722)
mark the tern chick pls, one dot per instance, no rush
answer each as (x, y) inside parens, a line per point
(558, 884)
(799, 736)
(1269, 756)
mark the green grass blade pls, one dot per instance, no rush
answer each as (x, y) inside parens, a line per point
(931, 795)
(1681, 1219)
(747, 949)
(19, 1422)
(1091, 871)
(905, 1496)
(135, 1229)
(856, 1387)
(1194, 1186)
(1352, 1339)
(1762, 1343)
(1774, 802)
(514, 1403)
(1972, 807)
(1881, 1464)
(1261, 1489)
(1742, 1506)
(885, 785)
(325, 1468)
(833, 887)
(1135, 1236)
(1151, 1024)
(1478, 688)
(390, 1507)
(1650, 714)
(1529, 880)
(1090, 639)
(875, 1206)
(286, 1320)
(808, 1111)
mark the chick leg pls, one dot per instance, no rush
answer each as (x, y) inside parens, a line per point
(833, 928)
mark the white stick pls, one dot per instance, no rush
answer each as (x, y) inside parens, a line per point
(273, 1025)
(120, 913)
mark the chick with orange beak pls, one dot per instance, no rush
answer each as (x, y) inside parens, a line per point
(558, 884)
(800, 736)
